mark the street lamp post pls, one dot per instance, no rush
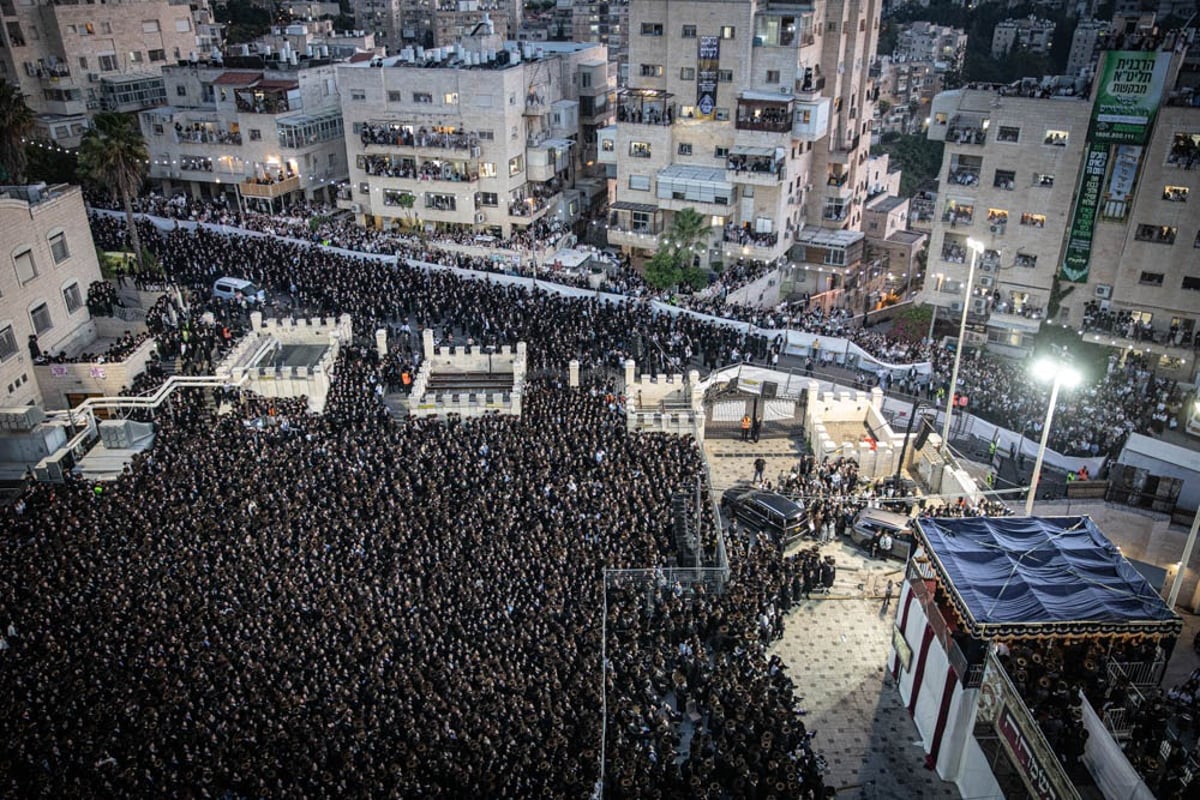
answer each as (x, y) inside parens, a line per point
(1062, 375)
(976, 247)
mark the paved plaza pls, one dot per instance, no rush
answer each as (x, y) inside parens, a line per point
(836, 646)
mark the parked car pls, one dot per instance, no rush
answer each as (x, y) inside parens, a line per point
(766, 511)
(871, 523)
(238, 288)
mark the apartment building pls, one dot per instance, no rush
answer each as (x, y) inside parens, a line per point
(755, 114)
(51, 262)
(433, 23)
(1031, 34)
(1008, 176)
(483, 137)
(73, 58)
(907, 88)
(1086, 44)
(1106, 222)
(606, 22)
(925, 42)
(257, 130)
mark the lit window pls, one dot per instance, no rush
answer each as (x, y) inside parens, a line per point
(1175, 194)
(1056, 138)
(639, 149)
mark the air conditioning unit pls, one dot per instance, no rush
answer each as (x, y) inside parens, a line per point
(1104, 291)
(480, 216)
(356, 208)
(987, 266)
(979, 306)
(956, 307)
(785, 90)
(987, 281)
(93, 77)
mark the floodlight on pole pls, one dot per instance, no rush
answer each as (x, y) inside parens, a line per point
(1060, 374)
(976, 247)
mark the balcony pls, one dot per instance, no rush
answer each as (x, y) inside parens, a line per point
(261, 187)
(203, 135)
(51, 74)
(966, 131)
(810, 86)
(958, 214)
(754, 165)
(835, 213)
(763, 112)
(420, 138)
(743, 242)
(530, 209)
(645, 107)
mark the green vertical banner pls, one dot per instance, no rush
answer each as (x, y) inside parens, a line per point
(1127, 98)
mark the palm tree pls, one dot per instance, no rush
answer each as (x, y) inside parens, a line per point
(689, 230)
(16, 122)
(113, 154)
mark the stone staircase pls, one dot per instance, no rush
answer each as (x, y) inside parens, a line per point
(397, 405)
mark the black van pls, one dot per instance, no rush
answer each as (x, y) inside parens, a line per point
(766, 511)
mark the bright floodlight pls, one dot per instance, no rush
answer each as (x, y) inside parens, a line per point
(975, 245)
(1049, 369)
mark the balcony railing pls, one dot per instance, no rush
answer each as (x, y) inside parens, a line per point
(966, 134)
(771, 121)
(964, 177)
(404, 137)
(262, 187)
(207, 137)
(527, 207)
(837, 180)
(765, 166)
(736, 235)
(835, 214)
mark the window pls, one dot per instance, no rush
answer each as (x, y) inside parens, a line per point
(422, 97)
(687, 73)
(256, 134)
(727, 31)
(489, 199)
(1056, 138)
(639, 183)
(1025, 260)
(83, 62)
(180, 90)
(157, 55)
(652, 70)
(71, 298)
(8, 343)
(720, 152)
(608, 145)
(450, 98)
(26, 269)
(1158, 234)
(772, 76)
(1175, 194)
(364, 188)
(40, 316)
(721, 114)
(1043, 179)
(1189, 283)
(688, 32)
(1151, 279)
(108, 63)
(516, 165)
(1004, 179)
(639, 149)
(725, 75)
(1007, 133)
(88, 29)
(135, 56)
(106, 27)
(58, 247)
(1036, 220)
(150, 26)
(685, 148)
(183, 25)
(394, 96)
(358, 94)
(652, 29)
(1185, 149)
(487, 136)
(487, 169)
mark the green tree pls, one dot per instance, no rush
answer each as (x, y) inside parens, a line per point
(16, 123)
(661, 270)
(113, 154)
(920, 158)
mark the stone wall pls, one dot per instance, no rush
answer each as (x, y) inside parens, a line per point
(91, 378)
(665, 403)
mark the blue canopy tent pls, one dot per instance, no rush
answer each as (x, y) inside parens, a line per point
(1039, 577)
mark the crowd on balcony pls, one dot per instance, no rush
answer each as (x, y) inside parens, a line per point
(745, 234)
(645, 114)
(428, 170)
(1125, 324)
(420, 137)
(964, 177)
(197, 133)
(118, 350)
(267, 177)
(756, 164)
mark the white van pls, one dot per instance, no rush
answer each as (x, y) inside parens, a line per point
(238, 288)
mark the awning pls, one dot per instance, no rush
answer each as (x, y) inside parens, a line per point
(278, 85)
(765, 97)
(742, 150)
(237, 78)
(626, 205)
(823, 237)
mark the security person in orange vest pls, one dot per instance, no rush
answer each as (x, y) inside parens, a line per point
(745, 427)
